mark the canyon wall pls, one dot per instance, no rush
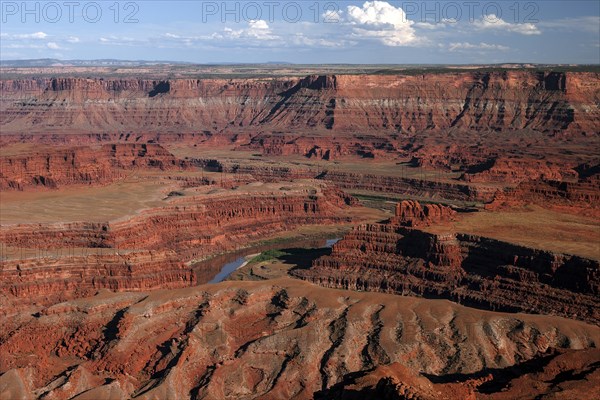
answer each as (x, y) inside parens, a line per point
(149, 250)
(469, 269)
(552, 102)
(82, 165)
(581, 196)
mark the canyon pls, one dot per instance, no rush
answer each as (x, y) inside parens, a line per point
(154, 249)
(465, 201)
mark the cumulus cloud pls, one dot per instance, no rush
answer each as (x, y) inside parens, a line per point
(73, 39)
(493, 23)
(461, 46)
(53, 46)
(257, 30)
(332, 16)
(381, 20)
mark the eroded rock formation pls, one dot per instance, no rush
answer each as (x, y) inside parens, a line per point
(581, 196)
(509, 100)
(473, 270)
(559, 374)
(161, 240)
(411, 213)
(82, 165)
(273, 340)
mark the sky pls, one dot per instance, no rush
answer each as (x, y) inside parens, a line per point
(305, 32)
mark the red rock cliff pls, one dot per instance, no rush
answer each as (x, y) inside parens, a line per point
(474, 270)
(510, 100)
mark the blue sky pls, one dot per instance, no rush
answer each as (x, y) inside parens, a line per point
(404, 32)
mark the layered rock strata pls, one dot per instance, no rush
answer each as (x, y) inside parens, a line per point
(582, 196)
(82, 165)
(469, 269)
(549, 101)
(193, 228)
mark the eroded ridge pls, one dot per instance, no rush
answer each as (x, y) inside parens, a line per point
(279, 339)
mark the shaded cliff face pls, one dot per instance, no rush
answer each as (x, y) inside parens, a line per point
(511, 100)
(270, 340)
(469, 269)
(560, 374)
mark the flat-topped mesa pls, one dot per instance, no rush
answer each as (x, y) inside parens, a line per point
(410, 213)
(473, 270)
(549, 103)
(214, 222)
(516, 170)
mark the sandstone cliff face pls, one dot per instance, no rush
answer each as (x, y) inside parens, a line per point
(512, 100)
(273, 340)
(411, 213)
(82, 165)
(516, 171)
(149, 250)
(473, 270)
(47, 281)
(582, 196)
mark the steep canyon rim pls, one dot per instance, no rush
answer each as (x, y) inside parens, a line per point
(113, 187)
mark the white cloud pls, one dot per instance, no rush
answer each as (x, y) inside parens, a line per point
(122, 41)
(332, 16)
(53, 46)
(257, 30)
(24, 36)
(381, 20)
(461, 46)
(73, 39)
(492, 22)
(22, 46)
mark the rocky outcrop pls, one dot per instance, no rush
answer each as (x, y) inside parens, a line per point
(350, 181)
(560, 374)
(516, 171)
(478, 100)
(273, 340)
(472, 270)
(82, 165)
(410, 213)
(582, 196)
(191, 222)
(409, 186)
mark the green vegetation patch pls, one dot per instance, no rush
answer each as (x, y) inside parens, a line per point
(269, 255)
